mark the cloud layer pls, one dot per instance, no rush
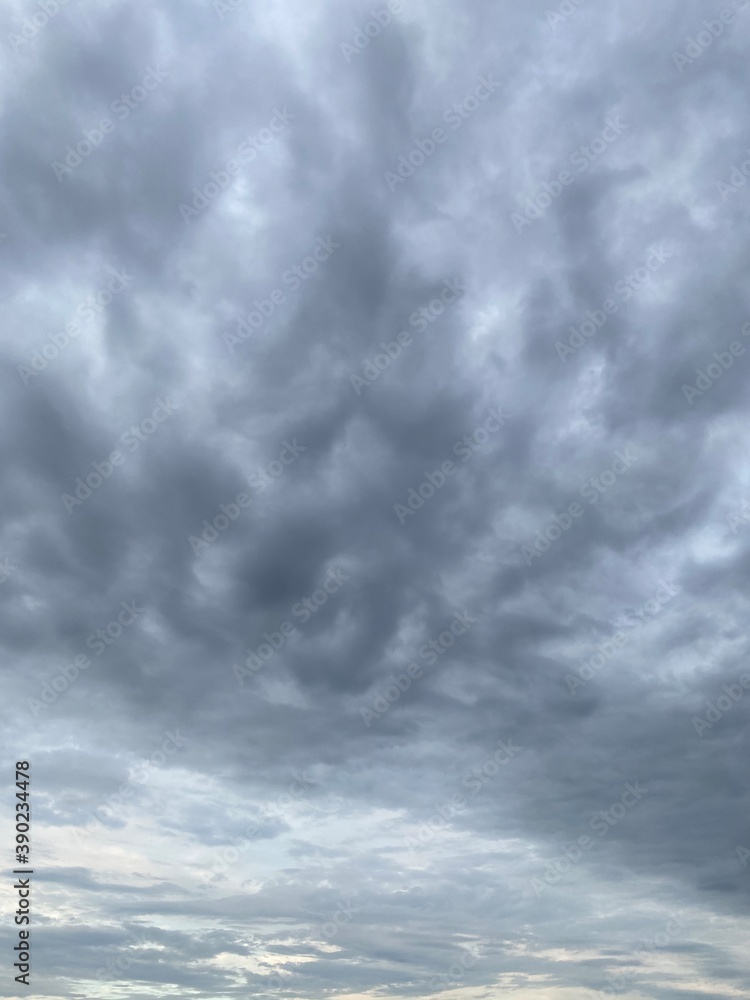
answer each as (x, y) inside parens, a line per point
(375, 527)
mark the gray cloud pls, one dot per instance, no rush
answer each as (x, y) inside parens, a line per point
(290, 848)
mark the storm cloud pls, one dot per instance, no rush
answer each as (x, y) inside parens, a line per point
(376, 530)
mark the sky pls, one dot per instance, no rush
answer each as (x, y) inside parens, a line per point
(375, 527)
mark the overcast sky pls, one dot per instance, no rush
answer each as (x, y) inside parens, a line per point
(376, 498)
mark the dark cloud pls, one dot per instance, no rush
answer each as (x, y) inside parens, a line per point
(334, 821)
